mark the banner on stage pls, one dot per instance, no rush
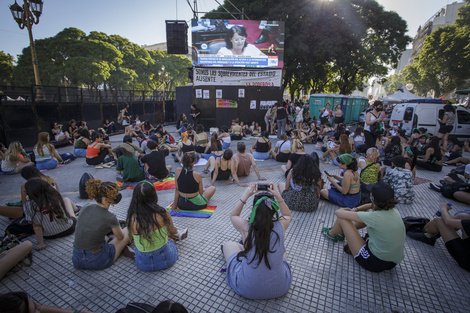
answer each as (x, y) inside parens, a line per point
(226, 104)
(233, 77)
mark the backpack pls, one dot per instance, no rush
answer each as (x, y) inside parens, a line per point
(81, 185)
(120, 118)
(136, 308)
(19, 227)
(448, 190)
(414, 223)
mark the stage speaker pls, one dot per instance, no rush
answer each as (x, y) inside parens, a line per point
(176, 37)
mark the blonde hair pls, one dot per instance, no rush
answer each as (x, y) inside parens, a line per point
(297, 145)
(372, 153)
(14, 149)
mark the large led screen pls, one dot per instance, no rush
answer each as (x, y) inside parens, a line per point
(237, 43)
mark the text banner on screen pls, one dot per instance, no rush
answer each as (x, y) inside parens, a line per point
(237, 43)
(236, 77)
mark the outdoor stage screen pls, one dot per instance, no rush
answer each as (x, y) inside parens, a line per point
(237, 43)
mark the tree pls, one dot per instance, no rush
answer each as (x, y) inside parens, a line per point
(6, 68)
(334, 45)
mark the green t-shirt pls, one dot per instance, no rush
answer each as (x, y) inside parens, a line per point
(159, 239)
(130, 169)
(93, 223)
(386, 234)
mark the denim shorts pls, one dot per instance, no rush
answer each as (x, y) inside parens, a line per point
(94, 260)
(225, 145)
(260, 155)
(48, 164)
(157, 260)
(79, 152)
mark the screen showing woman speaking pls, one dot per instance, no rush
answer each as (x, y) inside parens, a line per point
(237, 43)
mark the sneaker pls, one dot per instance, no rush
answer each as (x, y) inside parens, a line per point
(340, 237)
(421, 236)
(442, 182)
(67, 161)
(435, 187)
(79, 207)
(325, 231)
(183, 234)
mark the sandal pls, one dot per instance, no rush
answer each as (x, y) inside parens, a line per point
(325, 231)
(99, 167)
(182, 234)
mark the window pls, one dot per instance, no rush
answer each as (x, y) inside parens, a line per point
(463, 117)
(408, 115)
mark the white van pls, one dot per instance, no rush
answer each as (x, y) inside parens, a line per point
(425, 113)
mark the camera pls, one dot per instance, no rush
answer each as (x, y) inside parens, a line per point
(263, 187)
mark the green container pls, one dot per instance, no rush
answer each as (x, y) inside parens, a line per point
(349, 109)
(317, 102)
(358, 102)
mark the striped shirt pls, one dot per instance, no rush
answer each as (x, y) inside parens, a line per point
(51, 225)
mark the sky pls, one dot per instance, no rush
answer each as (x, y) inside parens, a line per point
(143, 21)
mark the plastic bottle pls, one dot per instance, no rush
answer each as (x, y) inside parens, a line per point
(438, 213)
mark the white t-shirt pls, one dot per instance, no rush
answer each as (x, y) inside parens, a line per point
(250, 50)
(283, 145)
(358, 138)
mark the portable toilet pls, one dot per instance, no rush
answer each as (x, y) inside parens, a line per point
(349, 109)
(317, 101)
(356, 109)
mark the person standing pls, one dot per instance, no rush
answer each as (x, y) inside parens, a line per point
(281, 119)
(195, 113)
(372, 117)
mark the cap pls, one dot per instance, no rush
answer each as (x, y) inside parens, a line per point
(382, 192)
(345, 158)
(399, 161)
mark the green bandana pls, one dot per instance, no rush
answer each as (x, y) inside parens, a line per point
(346, 158)
(270, 203)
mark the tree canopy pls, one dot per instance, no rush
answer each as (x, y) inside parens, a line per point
(6, 68)
(330, 45)
(72, 58)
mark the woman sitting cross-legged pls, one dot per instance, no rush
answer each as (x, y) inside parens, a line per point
(97, 151)
(213, 149)
(258, 269)
(151, 225)
(90, 249)
(224, 167)
(348, 194)
(52, 217)
(128, 167)
(15, 159)
(189, 192)
(386, 244)
(301, 191)
(47, 157)
(261, 147)
(282, 150)
(81, 143)
(185, 145)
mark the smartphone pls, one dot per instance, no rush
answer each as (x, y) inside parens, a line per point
(263, 187)
(327, 174)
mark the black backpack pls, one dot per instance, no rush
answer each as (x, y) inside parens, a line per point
(20, 227)
(81, 185)
(136, 308)
(448, 190)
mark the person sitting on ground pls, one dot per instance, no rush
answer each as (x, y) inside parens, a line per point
(81, 143)
(336, 150)
(392, 149)
(297, 152)
(52, 217)
(218, 172)
(237, 131)
(447, 227)
(261, 147)
(181, 120)
(225, 137)
(326, 133)
(189, 192)
(432, 160)
(143, 143)
(348, 194)
(358, 137)
(150, 226)
(46, 155)
(244, 161)
(129, 146)
(134, 130)
(256, 129)
(369, 167)
(460, 186)
(201, 140)
(185, 146)
(282, 150)
(215, 148)
(97, 151)
(454, 149)
(20, 302)
(164, 145)
(401, 180)
(59, 135)
(109, 127)
(191, 133)
(310, 134)
(128, 167)
(154, 163)
(73, 129)
(90, 249)
(147, 128)
(15, 159)
(301, 191)
(381, 251)
(260, 259)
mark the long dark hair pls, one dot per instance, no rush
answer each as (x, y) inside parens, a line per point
(305, 171)
(122, 151)
(434, 143)
(395, 141)
(144, 209)
(259, 233)
(214, 140)
(47, 199)
(14, 302)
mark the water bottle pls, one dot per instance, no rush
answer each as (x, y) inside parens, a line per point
(438, 213)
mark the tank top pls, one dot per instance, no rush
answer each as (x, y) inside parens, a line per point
(219, 146)
(372, 118)
(91, 151)
(46, 156)
(262, 147)
(201, 139)
(244, 164)
(187, 148)
(159, 239)
(187, 183)
(370, 173)
(80, 144)
(281, 113)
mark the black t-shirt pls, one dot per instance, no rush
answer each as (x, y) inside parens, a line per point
(281, 113)
(156, 162)
(294, 157)
(194, 112)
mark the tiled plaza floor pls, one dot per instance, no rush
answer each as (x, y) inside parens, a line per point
(325, 279)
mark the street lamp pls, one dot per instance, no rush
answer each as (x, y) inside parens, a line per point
(164, 76)
(26, 16)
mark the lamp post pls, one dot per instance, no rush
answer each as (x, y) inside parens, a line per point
(26, 16)
(164, 76)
